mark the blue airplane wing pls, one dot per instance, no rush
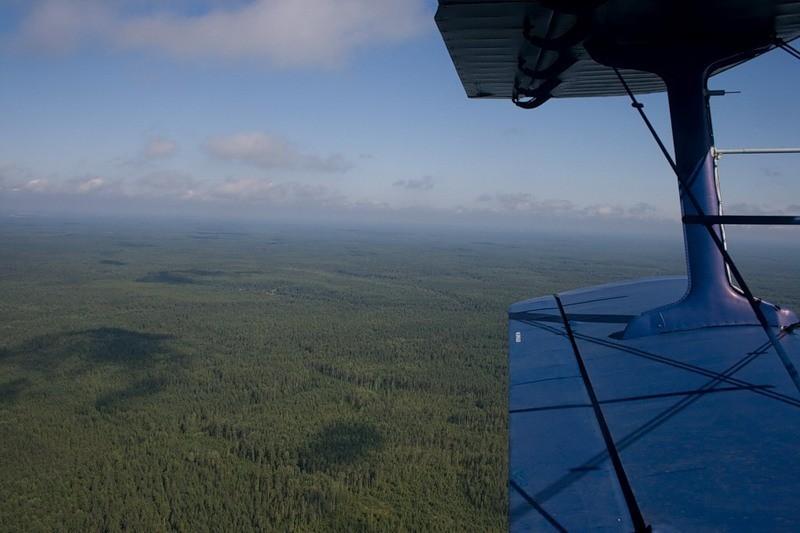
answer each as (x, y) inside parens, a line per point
(706, 422)
(689, 420)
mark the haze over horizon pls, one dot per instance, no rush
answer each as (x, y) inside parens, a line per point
(337, 110)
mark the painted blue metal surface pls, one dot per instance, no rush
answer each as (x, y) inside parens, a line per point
(707, 422)
(710, 299)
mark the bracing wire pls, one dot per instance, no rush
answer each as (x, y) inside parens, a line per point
(791, 370)
(789, 49)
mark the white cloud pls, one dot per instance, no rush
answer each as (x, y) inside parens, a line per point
(182, 186)
(267, 192)
(603, 210)
(318, 33)
(425, 183)
(252, 193)
(91, 184)
(34, 185)
(57, 26)
(164, 183)
(159, 148)
(176, 185)
(80, 185)
(751, 208)
(526, 203)
(11, 176)
(243, 189)
(271, 152)
(642, 209)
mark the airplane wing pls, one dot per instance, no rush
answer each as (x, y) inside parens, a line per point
(499, 46)
(706, 422)
(664, 404)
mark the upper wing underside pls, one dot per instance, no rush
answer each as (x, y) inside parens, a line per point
(497, 46)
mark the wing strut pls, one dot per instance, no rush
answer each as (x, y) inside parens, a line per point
(639, 524)
(705, 221)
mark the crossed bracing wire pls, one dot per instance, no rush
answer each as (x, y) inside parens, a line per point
(788, 48)
(687, 399)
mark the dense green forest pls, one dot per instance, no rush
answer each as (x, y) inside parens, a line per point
(184, 377)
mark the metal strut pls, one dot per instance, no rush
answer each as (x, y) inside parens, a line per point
(755, 220)
(746, 151)
(791, 370)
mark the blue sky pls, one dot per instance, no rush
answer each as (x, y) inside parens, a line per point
(346, 108)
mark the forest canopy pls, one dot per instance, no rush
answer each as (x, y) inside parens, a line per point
(277, 378)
